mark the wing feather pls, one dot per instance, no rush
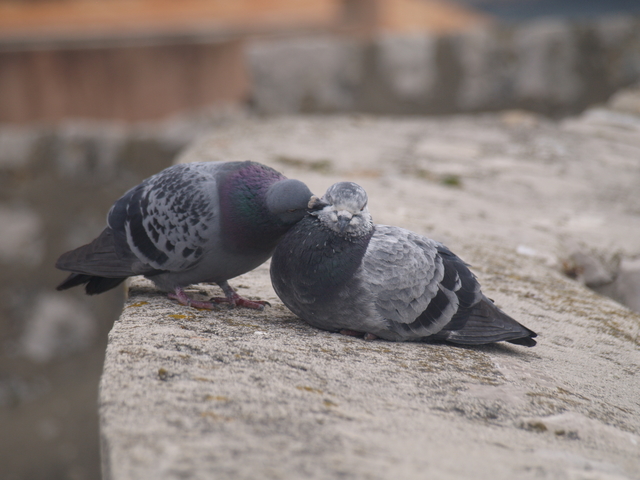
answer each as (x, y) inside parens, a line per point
(166, 218)
(402, 272)
(418, 284)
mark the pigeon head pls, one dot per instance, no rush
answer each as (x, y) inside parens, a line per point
(343, 209)
(288, 200)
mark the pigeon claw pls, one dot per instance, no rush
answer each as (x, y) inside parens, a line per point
(255, 304)
(236, 300)
(183, 299)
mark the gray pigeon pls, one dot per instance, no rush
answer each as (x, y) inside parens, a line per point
(338, 271)
(191, 223)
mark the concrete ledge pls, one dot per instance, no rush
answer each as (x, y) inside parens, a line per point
(241, 395)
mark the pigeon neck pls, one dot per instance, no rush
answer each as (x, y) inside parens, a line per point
(246, 222)
(325, 260)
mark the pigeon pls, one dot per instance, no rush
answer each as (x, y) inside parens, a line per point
(191, 223)
(340, 272)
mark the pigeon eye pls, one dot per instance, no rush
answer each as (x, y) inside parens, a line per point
(291, 210)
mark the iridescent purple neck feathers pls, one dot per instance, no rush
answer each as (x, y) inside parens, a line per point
(247, 221)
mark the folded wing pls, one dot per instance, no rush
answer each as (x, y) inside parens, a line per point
(423, 290)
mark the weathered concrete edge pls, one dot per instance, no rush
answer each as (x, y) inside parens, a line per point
(542, 299)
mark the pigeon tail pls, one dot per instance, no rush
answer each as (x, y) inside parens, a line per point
(93, 284)
(485, 323)
(98, 258)
(96, 265)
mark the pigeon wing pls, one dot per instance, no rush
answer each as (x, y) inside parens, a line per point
(167, 220)
(477, 320)
(485, 323)
(402, 271)
(418, 284)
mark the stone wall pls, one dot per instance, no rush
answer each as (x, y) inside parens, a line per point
(550, 66)
(129, 82)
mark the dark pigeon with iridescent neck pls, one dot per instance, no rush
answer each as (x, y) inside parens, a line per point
(338, 271)
(191, 223)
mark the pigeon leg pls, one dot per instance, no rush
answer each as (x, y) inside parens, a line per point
(235, 300)
(183, 299)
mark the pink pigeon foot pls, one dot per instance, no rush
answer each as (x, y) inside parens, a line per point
(183, 299)
(235, 300)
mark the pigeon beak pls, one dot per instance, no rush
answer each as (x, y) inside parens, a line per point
(316, 203)
(343, 222)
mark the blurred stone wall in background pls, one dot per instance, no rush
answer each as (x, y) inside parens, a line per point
(158, 58)
(549, 66)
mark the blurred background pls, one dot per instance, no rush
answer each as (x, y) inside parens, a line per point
(96, 95)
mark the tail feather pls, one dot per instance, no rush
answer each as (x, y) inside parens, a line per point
(93, 284)
(525, 341)
(73, 280)
(486, 323)
(100, 258)
(101, 265)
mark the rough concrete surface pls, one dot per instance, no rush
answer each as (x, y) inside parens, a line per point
(241, 394)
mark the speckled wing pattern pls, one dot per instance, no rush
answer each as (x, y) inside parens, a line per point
(417, 283)
(165, 219)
